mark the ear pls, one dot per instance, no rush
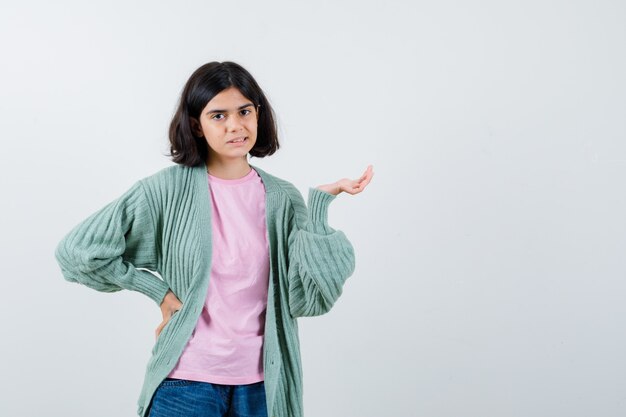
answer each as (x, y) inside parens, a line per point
(196, 128)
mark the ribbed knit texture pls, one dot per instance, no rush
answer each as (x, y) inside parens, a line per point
(163, 223)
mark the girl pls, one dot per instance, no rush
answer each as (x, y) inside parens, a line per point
(240, 255)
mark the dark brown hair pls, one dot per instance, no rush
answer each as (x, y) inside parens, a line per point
(205, 83)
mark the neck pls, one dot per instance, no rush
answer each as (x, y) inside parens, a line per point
(229, 171)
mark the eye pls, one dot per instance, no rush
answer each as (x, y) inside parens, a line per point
(245, 114)
(215, 115)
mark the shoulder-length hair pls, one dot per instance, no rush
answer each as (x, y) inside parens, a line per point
(204, 84)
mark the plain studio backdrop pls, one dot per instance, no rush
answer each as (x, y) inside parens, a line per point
(489, 246)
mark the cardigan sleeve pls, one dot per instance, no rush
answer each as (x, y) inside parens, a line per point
(320, 257)
(104, 251)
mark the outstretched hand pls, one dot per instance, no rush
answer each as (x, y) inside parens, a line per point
(348, 185)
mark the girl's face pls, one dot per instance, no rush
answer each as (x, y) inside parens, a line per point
(227, 119)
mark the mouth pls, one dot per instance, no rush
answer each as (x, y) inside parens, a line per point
(238, 140)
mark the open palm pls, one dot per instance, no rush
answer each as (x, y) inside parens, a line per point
(348, 185)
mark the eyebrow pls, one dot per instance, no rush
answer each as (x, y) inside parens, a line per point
(224, 111)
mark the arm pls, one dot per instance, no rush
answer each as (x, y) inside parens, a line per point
(320, 257)
(104, 251)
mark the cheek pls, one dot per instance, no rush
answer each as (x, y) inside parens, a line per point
(212, 132)
(252, 126)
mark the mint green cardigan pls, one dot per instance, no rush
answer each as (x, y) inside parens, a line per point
(163, 223)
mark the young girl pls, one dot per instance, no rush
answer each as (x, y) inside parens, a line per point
(240, 254)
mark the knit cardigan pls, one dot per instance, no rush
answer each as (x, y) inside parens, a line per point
(162, 223)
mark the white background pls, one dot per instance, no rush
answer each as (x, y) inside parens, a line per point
(490, 243)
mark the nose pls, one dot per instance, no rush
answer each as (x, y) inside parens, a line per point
(235, 123)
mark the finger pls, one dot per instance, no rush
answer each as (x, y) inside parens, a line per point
(355, 188)
(366, 173)
(360, 186)
(363, 182)
(369, 172)
(369, 177)
(367, 181)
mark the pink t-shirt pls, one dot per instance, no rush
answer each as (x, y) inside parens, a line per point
(226, 346)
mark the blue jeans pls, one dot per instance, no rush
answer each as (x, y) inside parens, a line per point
(185, 398)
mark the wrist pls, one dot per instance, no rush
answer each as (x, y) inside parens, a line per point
(169, 298)
(332, 189)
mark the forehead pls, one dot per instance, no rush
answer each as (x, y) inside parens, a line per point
(230, 99)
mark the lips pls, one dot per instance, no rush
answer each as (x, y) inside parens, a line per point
(238, 140)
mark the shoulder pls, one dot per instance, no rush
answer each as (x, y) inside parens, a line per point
(168, 178)
(165, 174)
